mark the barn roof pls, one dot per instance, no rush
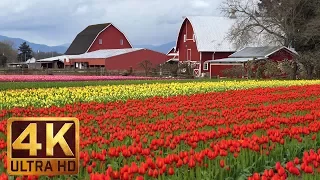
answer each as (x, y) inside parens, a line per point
(211, 33)
(85, 38)
(259, 51)
(172, 49)
(251, 53)
(232, 60)
(105, 53)
(56, 58)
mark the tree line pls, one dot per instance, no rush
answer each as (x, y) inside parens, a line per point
(291, 23)
(8, 54)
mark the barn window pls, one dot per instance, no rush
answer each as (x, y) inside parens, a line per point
(121, 42)
(205, 66)
(100, 41)
(185, 38)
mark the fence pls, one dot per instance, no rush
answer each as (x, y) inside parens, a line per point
(88, 72)
(84, 72)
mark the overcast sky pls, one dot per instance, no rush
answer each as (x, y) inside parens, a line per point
(55, 22)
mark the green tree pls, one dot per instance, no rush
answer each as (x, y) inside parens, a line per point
(25, 52)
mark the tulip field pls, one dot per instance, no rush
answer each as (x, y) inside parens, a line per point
(235, 130)
(55, 78)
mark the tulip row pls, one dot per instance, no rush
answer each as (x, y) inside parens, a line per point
(234, 134)
(305, 168)
(50, 78)
(47, 97)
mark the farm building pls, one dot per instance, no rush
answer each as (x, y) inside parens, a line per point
(173, 56)
(103, 45)
(115, 59)
(274, 53)
(97, 37)
(203, 38)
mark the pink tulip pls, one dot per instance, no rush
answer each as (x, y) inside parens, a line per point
(43, 78)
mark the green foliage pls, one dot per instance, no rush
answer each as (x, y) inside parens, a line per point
(234, 72)
(272, 69)
(185, 69)
(172, 69)
(25, 52)
(28, 85)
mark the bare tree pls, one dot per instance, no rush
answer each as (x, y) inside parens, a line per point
(310, 60)
(7, 50)
(146, 65)
(293, 23)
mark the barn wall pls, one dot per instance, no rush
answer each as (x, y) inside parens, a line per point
(208, 56)
(110, 40)
(125, 61)
(170, 57)
(171, 51)
(281, 55)
(182, 46)
(90, 61)
(217, 70)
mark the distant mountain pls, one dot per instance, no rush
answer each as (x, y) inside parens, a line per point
(36, 47)
(65, 45)
(164, 48)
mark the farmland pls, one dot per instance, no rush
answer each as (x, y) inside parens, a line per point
(191, 130)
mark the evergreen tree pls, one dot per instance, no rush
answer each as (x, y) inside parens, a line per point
(25, 52)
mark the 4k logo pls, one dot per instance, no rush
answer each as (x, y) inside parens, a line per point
(43, 146)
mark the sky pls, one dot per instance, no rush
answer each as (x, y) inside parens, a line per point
(55, 22)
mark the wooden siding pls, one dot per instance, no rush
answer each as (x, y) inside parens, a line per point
(208, 56)
(125, 61)
(183, 47)
(110, 40)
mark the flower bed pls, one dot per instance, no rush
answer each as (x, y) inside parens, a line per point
(50, 78)
(238, 134)
(46, 97)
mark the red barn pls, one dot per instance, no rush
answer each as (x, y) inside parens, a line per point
(115, 59)
(97, 37)
(104, 45)
(203, 38)
(172, 55)
(273, 53)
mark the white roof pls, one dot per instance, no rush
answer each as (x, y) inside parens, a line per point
(263, 51)
(211, 33)
(173, 54)
(32, 60)
(56, 58)
(231, 60)
(94, 54)
(173, 48)
(107, 53)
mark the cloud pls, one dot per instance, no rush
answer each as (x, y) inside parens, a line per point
(56, 22)
(200, 4)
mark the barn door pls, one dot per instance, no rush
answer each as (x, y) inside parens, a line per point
(189, 54)
(196, 69)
